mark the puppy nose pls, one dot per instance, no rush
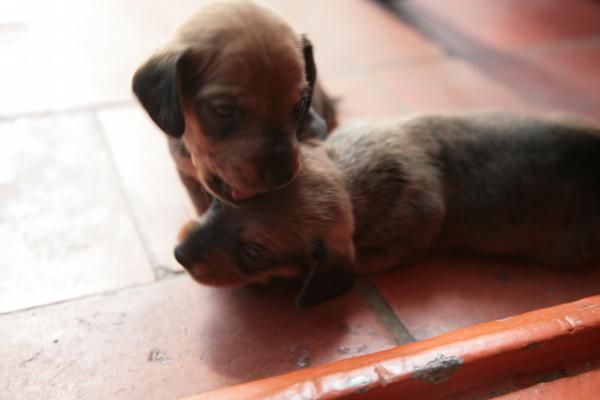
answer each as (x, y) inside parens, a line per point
(277, 177)
(180, 257)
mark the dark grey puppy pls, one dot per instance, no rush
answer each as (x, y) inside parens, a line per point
(378, 195)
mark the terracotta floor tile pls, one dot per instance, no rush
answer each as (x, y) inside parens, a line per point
(474, 25)
(64, 225)
(553, 77)
(174, 339)
(591, 111)
(150, 181)
(445, 84)
(574, 65)
(349, 34)
(68, 54)
(441, 295)
(359, 95)
(585, 386)
(75, 54)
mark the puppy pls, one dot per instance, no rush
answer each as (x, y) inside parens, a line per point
(234, 90)
(381, 195)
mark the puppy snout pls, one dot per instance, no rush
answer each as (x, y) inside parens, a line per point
(181, 257)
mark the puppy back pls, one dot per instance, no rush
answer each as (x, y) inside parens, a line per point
(512, 181)
(384, 166)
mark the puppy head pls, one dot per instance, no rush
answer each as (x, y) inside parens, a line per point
(236, 82)
(303, 230)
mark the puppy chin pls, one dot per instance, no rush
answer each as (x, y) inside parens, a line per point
(206, 278)
(239, 195)
(234, 191)
(230, 193)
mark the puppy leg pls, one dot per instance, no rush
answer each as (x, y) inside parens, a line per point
(199, 196)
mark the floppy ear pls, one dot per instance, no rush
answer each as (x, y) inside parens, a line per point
(310, 69)
(331, 275)
(317, 124)
(156, 85)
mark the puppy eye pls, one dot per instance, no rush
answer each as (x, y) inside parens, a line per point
(220, 115)
(224, 109)
(254, 258)
(253, 252)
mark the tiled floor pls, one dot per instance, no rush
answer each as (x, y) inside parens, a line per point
(92, 305)
(171, 339)
(440, 295)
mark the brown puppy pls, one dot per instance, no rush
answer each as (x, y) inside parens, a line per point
(498, 184)
(233, 90)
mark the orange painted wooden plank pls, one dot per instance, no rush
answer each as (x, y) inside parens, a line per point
(520, 350)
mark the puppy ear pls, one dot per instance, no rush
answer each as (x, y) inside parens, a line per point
(156, 85)
(317, 124)
(310, 69)
(331, 275)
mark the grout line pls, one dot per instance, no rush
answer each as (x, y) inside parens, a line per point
(385, 314)
(106, 293)
(157, 270)
(67, 111)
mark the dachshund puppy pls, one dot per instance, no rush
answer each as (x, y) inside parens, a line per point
(378, 195)
(233, 90)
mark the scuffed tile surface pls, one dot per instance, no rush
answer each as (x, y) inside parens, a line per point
(441, 295)
(174, 339)
(445, 84)
(71, 54)
(64, 224)
(150, 181)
